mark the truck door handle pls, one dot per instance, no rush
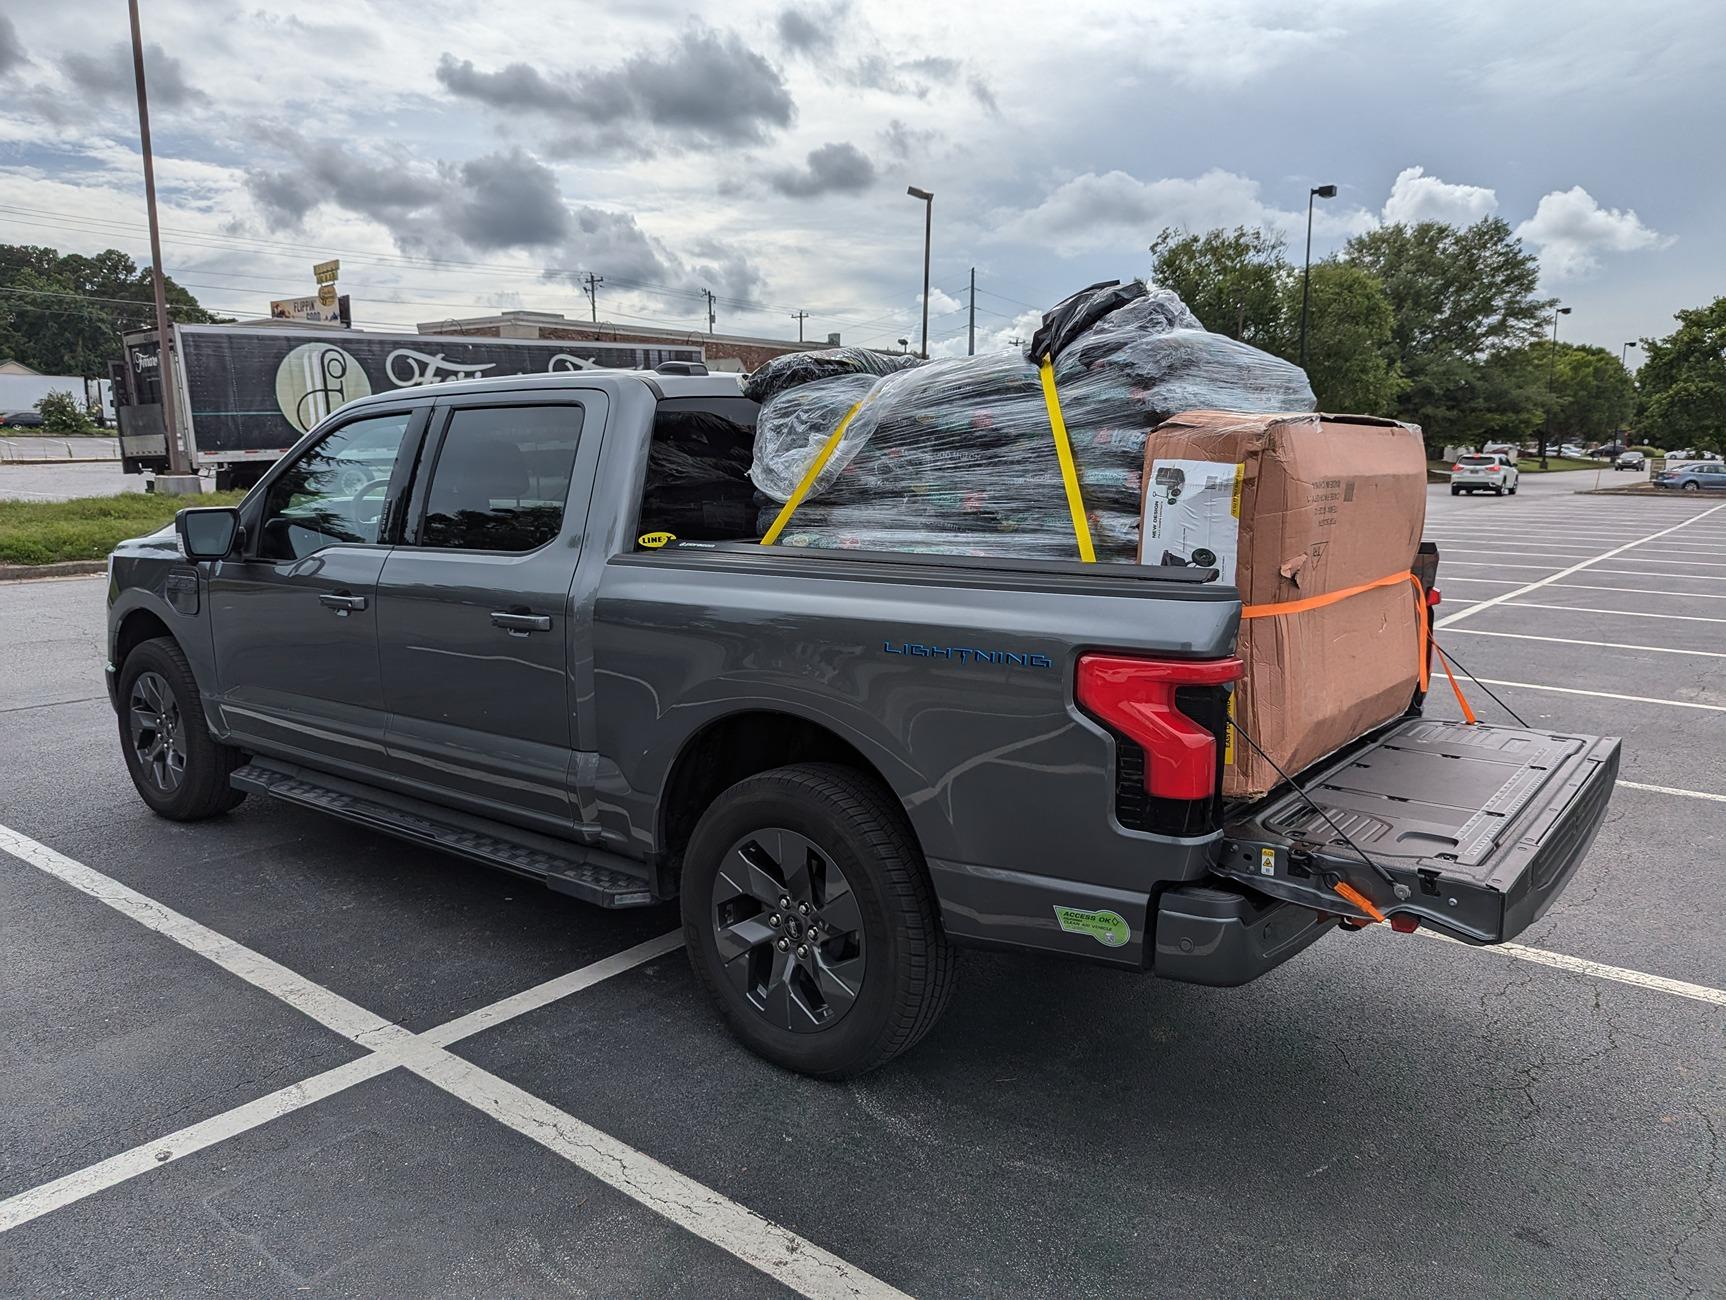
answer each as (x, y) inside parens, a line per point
(521, 624)
(341, 602)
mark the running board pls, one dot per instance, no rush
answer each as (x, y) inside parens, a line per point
(568, 869)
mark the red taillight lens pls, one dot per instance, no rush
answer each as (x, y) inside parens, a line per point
(1432, 596)
(1137, 698)
(1456, 469)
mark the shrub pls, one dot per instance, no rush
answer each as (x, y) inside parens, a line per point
(62, 413)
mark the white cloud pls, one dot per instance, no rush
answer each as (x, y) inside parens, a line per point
(1092, 211)
(997, 338)
(940, 302)
(1416, 197)
(1570, 229)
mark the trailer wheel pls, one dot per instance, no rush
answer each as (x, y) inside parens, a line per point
(811, 922)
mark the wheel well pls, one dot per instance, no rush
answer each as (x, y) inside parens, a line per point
(725, 752)
(136, 628)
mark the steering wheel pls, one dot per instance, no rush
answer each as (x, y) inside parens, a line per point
(352, 506)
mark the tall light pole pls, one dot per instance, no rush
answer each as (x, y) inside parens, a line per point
(180, 477)
(1551, 365)
(1317, 192)
(1623, 353)
(928, 227)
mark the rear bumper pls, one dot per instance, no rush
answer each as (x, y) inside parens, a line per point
(1223, 935)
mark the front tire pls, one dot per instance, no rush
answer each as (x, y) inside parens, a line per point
(811, 923)
(178, 768)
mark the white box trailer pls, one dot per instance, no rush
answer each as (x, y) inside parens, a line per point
(22, 392)
(246, 394)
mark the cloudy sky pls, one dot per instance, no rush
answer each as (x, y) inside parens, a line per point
(461, 158)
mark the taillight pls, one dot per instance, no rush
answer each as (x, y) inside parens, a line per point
(1456, 469)
(1432, 596)
(1137, 698)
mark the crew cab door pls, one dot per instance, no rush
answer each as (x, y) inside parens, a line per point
(293, 621)
(474, 606)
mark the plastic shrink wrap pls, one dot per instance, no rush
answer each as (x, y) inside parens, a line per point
(957, 456)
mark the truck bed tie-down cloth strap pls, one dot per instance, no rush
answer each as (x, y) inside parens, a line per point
(1069, 471)
(810, 475)
(1330, 598)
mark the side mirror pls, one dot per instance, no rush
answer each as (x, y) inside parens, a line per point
(209, 532)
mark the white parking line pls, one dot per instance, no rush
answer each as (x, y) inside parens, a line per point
(1575, 568)
(1601, 645)
(778, 1252)
(1616, 613)
(1482, 564)
(1444, 580)
(1605, 695)
(1672, 789)
(1597, 970)
(1670, 577)
(1635, 591)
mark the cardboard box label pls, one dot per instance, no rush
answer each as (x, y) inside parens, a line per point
(1192, 515)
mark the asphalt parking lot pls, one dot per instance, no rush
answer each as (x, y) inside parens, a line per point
(274, 1053)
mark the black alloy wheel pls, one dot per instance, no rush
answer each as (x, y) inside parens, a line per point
(156, 730)
(789, 930)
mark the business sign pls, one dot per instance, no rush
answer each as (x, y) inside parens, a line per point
(307, 309)
(259, 390)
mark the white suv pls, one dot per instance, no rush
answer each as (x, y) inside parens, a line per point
(1494, 472)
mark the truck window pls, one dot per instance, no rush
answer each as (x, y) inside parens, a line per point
(334, 492)
(697, 486)
(502, 478)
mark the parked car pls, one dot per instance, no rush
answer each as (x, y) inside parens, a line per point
(1630, 460)
(1698, 476)
(1606, 451)
(21, 420)
(844, 762)
(1571, 451)
(1495, 473)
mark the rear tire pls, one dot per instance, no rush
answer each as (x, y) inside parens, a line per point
(178, 768)
(1498, 492)
(1692, 487)
(1513, 488)
(839, 845)
(1456, 492)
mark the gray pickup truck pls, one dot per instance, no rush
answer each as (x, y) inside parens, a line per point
(448, 614)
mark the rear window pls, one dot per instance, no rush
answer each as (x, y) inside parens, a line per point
(1478, 460)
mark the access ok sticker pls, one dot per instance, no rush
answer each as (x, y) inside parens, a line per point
(1107, 928)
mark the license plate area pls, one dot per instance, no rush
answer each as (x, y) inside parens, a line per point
(1478, 827)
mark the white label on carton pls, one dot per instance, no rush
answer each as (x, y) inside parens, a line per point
(1192, 515)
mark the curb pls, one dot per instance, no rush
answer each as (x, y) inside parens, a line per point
(64, 569)
(62, 460)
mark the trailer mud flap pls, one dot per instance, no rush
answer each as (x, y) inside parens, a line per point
(1473, 830)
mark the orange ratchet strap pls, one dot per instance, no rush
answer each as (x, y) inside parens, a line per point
(1331, 598)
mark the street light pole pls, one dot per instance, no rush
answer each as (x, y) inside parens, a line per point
(1551, 366)
(928, 228)
(1317, 192)
(180, 477)
(1623, 354)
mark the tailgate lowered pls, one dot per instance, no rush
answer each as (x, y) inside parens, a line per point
(1478, 828)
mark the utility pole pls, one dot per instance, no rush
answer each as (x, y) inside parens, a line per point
(592, 291)
(710, 315)
(800, 317)
(971, 334)
(180, 477)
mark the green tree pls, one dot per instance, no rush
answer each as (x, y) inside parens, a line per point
(1234, 281)
(1351, 349)
(1459, 297)
(1592, 394)
(63, 413)
(1683, 382)
(62, 314)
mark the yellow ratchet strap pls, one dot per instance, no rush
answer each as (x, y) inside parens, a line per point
(1069, 473)
(809, 476)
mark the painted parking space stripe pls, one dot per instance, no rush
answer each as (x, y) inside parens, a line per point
(776, 1251)
(1615, 613)
(1639, 591)
(1604, 695)
(1575, 568)
(1674, 790)
(1670, 577)
(1595, 969)
(1601, 645)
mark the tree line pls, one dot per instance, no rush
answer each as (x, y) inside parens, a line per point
(1444, 327)
(62, 314)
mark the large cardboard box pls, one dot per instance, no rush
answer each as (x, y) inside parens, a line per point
(1292, 509)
